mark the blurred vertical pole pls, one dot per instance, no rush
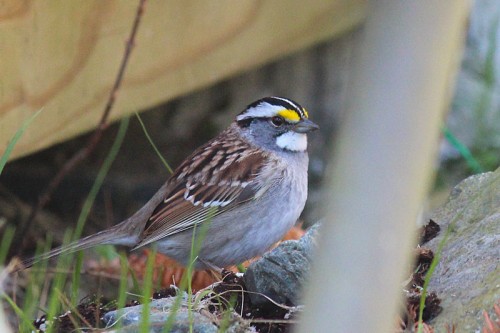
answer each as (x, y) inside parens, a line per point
(383, 163)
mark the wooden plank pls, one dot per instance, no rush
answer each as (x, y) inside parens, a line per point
(63, 55)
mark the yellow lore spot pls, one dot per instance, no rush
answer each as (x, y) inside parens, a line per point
(289, 115)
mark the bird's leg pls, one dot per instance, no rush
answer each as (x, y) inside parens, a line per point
(215, 271)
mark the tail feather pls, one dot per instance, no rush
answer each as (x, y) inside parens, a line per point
(125, 233)
(112, 236)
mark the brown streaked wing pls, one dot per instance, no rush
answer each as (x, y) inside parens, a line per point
(194, 200)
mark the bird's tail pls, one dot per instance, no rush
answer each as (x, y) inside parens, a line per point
(112, 236)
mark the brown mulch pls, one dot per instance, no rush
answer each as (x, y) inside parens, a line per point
(414, 288)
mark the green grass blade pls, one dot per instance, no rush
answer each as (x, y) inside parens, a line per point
(122, 289)
(167, 166)
(58, 283)
(135, 282)
(26, 320)
(89, 201)
(427, 279)
(147, 291)
(463, 150)
(175, 307)
(15, 138)
(484, 101)
(225, 321)
(5, 245)
(186, 281)
(439, 250)
(103, 171)
(76, 277)
(37, 278)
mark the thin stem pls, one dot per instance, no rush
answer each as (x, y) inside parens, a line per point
(92, 142)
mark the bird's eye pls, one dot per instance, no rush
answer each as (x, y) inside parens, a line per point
(277, 121)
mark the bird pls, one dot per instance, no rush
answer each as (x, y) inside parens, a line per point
(235, 196)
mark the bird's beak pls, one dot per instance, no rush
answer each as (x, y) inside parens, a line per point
(305, 126)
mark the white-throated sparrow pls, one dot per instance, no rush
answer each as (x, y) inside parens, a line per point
(247, 186)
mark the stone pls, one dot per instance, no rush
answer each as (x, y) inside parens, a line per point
(281, 273)
(467, 277)
(159, 311)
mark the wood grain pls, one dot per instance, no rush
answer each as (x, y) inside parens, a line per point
(63, 56)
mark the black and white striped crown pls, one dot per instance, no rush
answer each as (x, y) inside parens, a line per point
(274, 106)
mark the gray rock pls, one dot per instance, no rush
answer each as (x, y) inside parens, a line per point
(159, 312)
(467, 278)
(281, 273)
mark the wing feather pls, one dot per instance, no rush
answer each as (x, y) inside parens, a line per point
(217, 180)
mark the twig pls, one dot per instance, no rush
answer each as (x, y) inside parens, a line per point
(91, 145)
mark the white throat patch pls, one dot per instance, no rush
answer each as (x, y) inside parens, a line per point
(292, 141)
